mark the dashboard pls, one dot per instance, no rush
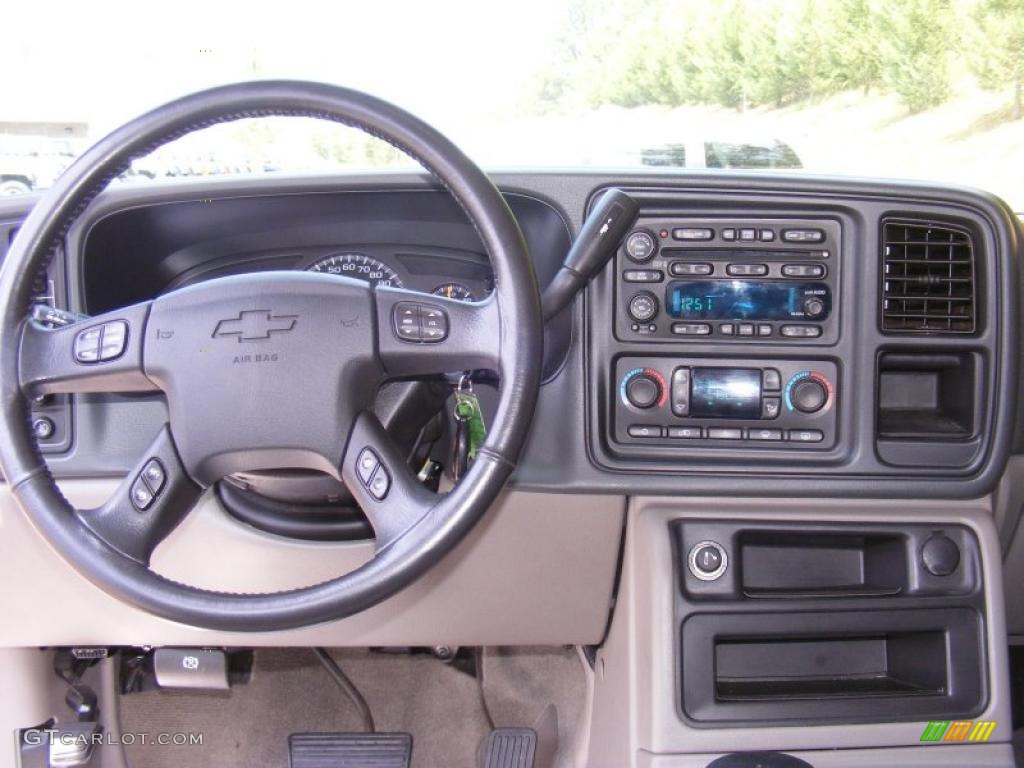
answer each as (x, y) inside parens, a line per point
(788, 335)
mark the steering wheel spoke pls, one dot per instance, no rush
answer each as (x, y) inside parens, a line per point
(148, 504)
(101, 354)
(420, 335)
(379, 478)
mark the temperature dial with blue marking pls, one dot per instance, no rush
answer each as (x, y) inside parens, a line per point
(643, 388)
(808, 392)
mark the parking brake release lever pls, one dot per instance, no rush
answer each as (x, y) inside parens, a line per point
(601, 234)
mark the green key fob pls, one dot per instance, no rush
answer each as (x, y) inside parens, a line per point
(467, 409)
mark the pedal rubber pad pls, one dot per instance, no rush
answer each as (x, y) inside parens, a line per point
(510, 748)
(349, 750)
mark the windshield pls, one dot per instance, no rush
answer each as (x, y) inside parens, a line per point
(923, 89)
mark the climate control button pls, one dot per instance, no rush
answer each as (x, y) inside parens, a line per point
(643, 392)
(808, 392)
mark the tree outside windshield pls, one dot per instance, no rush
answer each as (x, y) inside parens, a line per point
(925, 89)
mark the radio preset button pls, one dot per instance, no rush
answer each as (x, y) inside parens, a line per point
(691, 329)
(806, 435)
(771, 381)
(685, 433)
(770, 408)
(763, 329)
(800, 331)
(643, 430)
(643, 307)
(729, 234)
(746, 270)
(803, 235)
(803, 270)
(683, 269)
(643, 276)
(725, 433)
(693, 233)
(680, 392)
(641, 245)
(748, 234)
(767, 235)
(746, 329)
(764, 434)
(727, 329)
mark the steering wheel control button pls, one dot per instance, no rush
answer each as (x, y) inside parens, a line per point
(420, 322)
(641, 246)
(142, 497)
(407, 321)
(154, 475)
(43, 428)
(434, 322)
(101, 343)
(87, 344)
(940, 555)
(707, 560)
(366, 464)
(380, 483)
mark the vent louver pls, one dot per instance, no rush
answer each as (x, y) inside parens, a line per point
(927, 278)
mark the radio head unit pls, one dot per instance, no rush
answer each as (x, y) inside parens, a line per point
(766, 280)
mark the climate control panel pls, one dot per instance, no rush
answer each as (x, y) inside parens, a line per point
(760, 403)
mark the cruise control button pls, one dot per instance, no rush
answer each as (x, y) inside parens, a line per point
(643, 430)
(725, 433)
(142, 497)
(771, 380)
(691, 329)
(800, 331)
(770, 408)
(154, 475)
(366, 464)
(693, 233)
(380, 483)
(806, 435)
(764, 434)
(684, 433)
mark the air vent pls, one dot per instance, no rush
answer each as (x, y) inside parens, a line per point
(927, 278)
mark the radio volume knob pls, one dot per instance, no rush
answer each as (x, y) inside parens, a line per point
(643, 391)
(640, 245)
(643, 307)
(814, 307)
(809, 396)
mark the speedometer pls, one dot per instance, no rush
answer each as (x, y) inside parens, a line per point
(359, 266)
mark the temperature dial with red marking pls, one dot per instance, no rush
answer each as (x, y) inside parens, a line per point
(643, 388)
(808, 392)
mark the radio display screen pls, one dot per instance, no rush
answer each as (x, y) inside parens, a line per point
(741, 299)
(726, 393)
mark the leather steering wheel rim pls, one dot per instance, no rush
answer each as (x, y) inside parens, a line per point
(34, 360)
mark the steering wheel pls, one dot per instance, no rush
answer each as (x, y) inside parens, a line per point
(276, 369)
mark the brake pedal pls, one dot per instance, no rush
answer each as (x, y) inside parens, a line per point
(510, 748)
(349, 750)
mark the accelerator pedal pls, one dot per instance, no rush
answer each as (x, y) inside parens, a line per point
(349, 750)
(510, 748)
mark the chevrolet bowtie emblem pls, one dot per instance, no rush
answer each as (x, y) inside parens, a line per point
(255, 325)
